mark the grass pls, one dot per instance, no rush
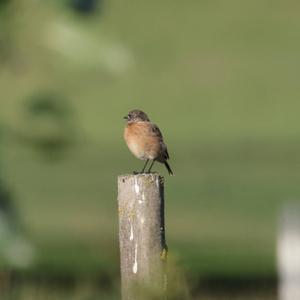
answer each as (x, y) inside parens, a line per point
(227, 220)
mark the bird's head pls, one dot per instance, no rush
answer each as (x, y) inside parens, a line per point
(136, 116)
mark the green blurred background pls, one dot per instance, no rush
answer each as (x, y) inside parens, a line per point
(220, 78)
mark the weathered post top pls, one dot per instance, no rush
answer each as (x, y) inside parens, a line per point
(142, 236)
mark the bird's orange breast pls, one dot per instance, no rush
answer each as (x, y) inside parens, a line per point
(140, 142)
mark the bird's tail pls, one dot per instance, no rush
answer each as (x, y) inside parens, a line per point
(168, 168)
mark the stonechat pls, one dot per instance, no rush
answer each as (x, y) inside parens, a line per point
(144, 140)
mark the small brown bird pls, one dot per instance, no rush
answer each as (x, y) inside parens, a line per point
(145, 140)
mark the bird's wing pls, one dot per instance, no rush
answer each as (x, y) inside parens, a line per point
(167, 153)
(155, 131)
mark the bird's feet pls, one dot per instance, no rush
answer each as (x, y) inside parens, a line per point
(140, 172)
(161, 179)
(136, 173)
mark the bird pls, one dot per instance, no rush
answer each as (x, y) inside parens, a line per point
(144, 139)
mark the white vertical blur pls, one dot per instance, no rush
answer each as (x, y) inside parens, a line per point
(288, 253)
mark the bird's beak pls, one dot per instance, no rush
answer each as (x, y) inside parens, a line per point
(126, 117)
